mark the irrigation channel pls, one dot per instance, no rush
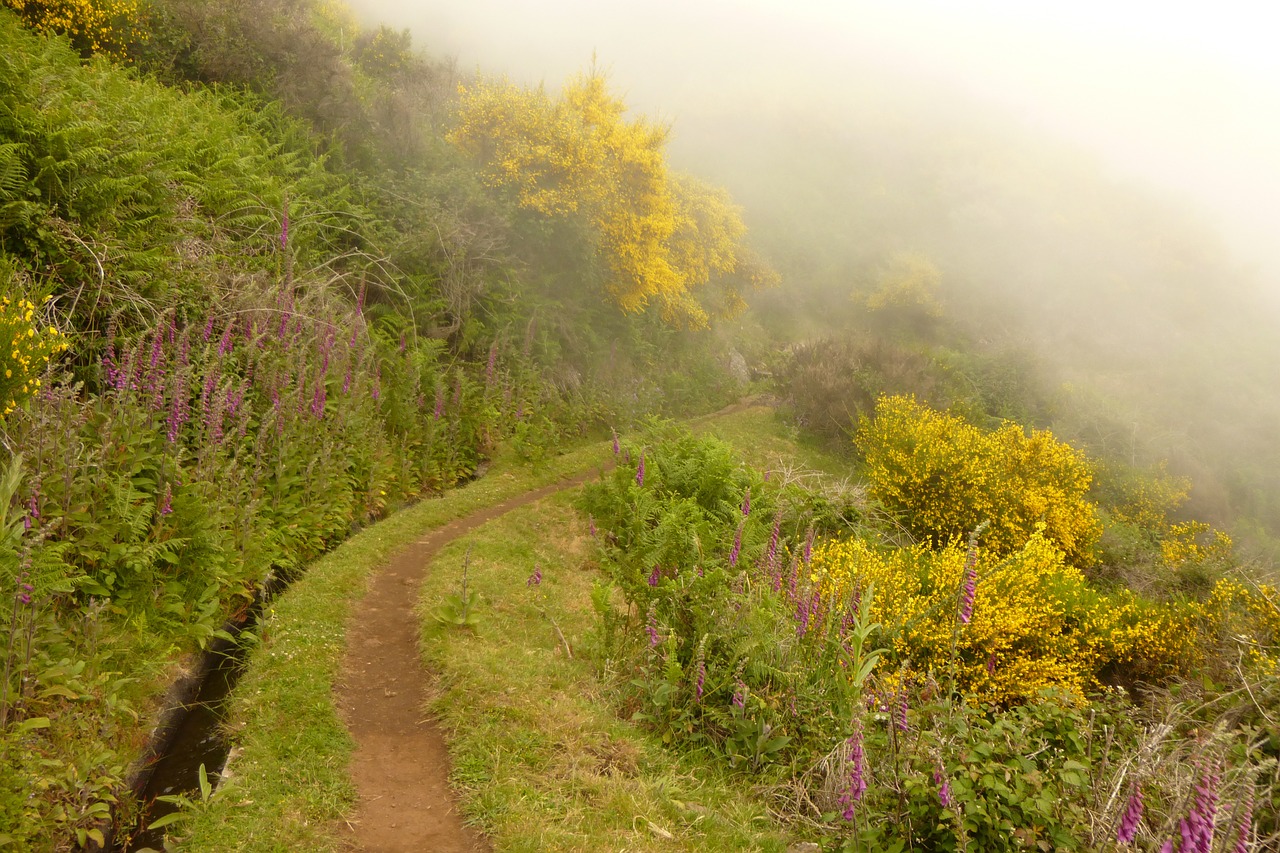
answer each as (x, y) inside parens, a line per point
(192, 736)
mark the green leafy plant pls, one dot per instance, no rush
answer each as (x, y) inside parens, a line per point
(459, 608)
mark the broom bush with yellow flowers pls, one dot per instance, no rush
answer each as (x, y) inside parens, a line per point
(93, 26)
(27, 345)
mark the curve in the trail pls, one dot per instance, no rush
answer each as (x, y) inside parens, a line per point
(401, 764)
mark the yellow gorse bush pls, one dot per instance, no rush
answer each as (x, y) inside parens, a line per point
(1194, 542)
(98, 26)
(945, 476)
(1036, 622)
(25, 351)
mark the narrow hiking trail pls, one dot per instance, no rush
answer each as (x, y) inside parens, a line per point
(401, 764)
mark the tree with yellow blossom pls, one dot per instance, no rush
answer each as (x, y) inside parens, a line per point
(665, 240)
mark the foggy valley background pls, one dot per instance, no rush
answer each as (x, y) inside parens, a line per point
(1096, 186)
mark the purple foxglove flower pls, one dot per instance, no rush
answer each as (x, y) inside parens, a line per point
(857, 774)
(737, 546)
(640, 470)
(179, 410)
(225, 345)
(346, 380)
(808, 546)
(208, 329)
(740, 695)
(1242, 833)
(402, 343)
(616, 448)
(944, 788)
(900, 709)
(651, 625)
(592, 525)
(318, 399)
(746, 503)
(655, 576)
(166, 506)
(967, 596)
(535, 578)
(1167, 847)
(1132, 817)
(991, 664)
(1246, 825)
(803, 612)
(157, 344)
(439, 410)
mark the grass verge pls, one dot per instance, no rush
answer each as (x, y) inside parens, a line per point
(540, 757)
(763, 440)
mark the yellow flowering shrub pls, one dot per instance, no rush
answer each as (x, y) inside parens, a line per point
(1245, 622)
(94, 26)
(661, 237)
(908, 282)
(1142, 497)
(1035, 621)
(1195, 543)
(945, 476)
(25, 350)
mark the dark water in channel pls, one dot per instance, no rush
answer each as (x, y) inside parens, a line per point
(197, 740)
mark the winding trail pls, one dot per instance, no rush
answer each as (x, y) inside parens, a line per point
(401, 764)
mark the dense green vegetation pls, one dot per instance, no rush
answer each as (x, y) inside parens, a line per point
(267, 277)
(975, 695)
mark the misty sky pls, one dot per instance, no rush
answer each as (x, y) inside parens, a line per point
(1185, 95)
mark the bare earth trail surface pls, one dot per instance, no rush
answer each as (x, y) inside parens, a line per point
(401, 765)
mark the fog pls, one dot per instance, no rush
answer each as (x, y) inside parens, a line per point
(1098, 182)
(1184, 97)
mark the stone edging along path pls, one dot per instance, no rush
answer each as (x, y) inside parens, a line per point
(400, 765)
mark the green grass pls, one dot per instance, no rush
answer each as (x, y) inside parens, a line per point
(539, 755)
(289, 785)
(763, 440)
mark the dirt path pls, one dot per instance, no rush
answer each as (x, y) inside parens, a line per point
(401, 764)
